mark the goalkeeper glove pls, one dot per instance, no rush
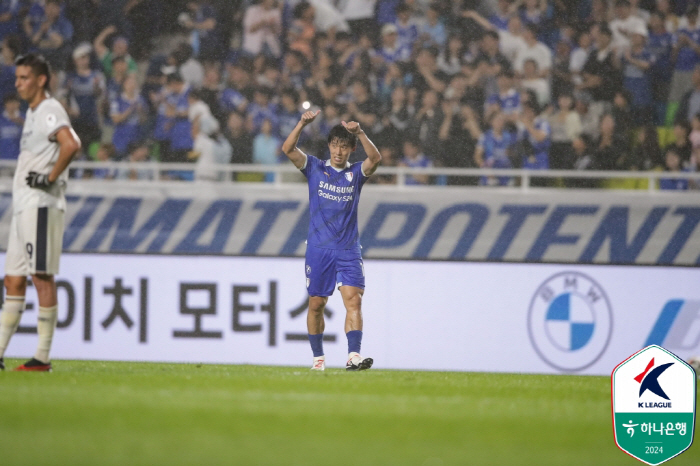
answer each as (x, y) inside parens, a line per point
(38, 180)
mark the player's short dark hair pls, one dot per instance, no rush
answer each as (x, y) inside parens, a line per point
(38, 64)
(340, 134)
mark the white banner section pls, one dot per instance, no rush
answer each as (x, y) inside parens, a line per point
(540, 318)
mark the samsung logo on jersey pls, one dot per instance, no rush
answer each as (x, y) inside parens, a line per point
(336, 189)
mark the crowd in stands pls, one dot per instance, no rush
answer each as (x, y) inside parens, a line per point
(537, 84)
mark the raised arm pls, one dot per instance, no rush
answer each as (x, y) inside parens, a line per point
(289, 147)
(371, 163)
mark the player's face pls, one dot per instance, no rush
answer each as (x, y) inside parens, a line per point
(340, 153)
(27, 83)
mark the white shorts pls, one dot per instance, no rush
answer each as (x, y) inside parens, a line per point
(36, 240)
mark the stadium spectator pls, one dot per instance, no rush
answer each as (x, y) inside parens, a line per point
(533, 12)
(105, 153)
(289, 114)
(681, 144)
(600, 76)
(128, 113)
(262, 25)
(406, 25)
(120, 49)
(533, 50)
(202, 21)
(139, 152)
(87, 86)
(625, 24)
(646, 155)
(501, 17)
(493, 150)
(188, 66)
(425, 124)
(566, 126)
(9, 18)
(52, 35)
(459, 133)
(610, 152)
(535, 133)
(582, 159)
(690, 103)
(533, 81)
(239, 138)
(579, 57)
(511, 40)
(302, 30)
(686, 45)
(450, 60)
(173, 129)
(391, 50)
(263, 108)
(673, 165)
(659, 45)
(11, 124)
(636, 62)
(413, 157)
(507, 100)
(432, 31)
(11, 47)
(490, 62)
(266, 147)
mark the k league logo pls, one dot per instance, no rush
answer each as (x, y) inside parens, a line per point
(653, 405)
(570, 321)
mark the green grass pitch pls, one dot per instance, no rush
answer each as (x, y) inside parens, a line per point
(126, 414)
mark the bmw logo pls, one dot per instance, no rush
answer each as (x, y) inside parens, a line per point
(570, 321)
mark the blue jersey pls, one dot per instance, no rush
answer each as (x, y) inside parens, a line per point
(333, 200)
(509, 103)
(85, 90)
(231, 100)
(687, 58)
(128, 130)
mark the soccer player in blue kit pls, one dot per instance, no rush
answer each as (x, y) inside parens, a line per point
(333, 255)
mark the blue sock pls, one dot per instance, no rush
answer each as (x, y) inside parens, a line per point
(354, 341)
(316, 344)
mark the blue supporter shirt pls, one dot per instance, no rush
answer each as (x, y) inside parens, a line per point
(129, 130)
(659, 46)
(181, 131)
(10, 135)
(496, 152)
(636, 80)
(10, 26)
(407, 34)
(259, 114)
(687, 58)
(82, 88)
(509, 103)
(673, 184)
(540, 159)
(333, 200)
(231, 100)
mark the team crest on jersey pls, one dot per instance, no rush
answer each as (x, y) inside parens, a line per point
(51, 120)
(348, 175)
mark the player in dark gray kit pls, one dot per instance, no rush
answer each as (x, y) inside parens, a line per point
(333, 255)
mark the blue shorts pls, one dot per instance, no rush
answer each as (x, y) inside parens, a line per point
(326, 268)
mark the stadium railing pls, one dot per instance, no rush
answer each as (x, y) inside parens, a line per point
(278, 175)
